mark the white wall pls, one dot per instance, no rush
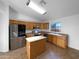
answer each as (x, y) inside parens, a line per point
(70, 26)
(20, 16)
(4, 27)
(13, 14)
(23, 17)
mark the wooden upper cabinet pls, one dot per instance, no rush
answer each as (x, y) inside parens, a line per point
(36, 24)
(41, 25)
(44, 25)
(13, 22)
(16, 22)
(30, 25)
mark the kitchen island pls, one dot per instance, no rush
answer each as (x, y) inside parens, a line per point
(35, 46)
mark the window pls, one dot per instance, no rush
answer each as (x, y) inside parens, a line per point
(56, 26)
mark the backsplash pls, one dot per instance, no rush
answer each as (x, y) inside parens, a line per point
(30, 31)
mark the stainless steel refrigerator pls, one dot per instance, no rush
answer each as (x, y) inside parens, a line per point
(15, 41)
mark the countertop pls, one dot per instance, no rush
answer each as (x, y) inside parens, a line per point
(35, 38)
(50, 32)
(54, 33)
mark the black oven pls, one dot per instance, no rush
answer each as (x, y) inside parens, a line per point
(21, 30)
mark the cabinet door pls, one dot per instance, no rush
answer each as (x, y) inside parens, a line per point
(29, 34)
(45, 26)
(36, 24)
(50, 38)
(61, 41)
(29, 26)
(41, 25)
(54, 39)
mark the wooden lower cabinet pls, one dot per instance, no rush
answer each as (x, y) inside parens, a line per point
(60, 41)
(50, 38)
(54, 38)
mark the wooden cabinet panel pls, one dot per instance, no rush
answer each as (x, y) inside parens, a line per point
(35, 48)
(29, 35)
(50, 38)
(41, 26)
(54, 39)
(30, 25)
(60, 41)
(44, 25)
(16, 22)
(13, 22)
(36, 24)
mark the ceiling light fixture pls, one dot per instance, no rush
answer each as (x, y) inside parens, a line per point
(43, 3)
(35, 7)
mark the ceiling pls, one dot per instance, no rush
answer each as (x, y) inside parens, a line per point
(55, 8)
